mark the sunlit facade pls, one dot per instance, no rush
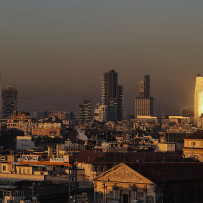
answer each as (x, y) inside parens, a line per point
(200, 104)
(198, 98)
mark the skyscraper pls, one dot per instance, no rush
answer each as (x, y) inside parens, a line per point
(198, 98)
(141, 89)
(147, 85)
(112, 95)
(85, 112)
(144, 103)
(9, 101)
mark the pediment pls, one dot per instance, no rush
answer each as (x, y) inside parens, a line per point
(123, 173)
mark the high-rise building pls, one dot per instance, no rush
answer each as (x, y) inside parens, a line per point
(85, 112)
(144, 103)
(147, 85)
(141, 88)
(198, 98)
(112, 95)
(143, 106)
(9, 101)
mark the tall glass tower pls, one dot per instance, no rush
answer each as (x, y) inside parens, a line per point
(144, 103)
(198, 98)
(112, 95)
(9, 101)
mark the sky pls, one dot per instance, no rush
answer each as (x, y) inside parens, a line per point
(56, 52)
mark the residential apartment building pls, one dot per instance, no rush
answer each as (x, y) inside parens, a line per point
(20, 122)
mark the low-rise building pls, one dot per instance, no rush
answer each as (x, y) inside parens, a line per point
(20, 122)
(193, 146)
(47, 129)
(150, 182)
(24, 143)
(166, 147)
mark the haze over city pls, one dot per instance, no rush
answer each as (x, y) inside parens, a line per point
(56, 52)
(101, 101)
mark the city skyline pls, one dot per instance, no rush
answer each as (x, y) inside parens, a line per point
(65, 44)
(25, 101)
(101, 101)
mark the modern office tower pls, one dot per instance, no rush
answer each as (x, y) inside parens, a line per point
(143, 106)
(101, 113)
(9, 101)
(147, 85)
(198, 98)
(141, 88)
(85, 112)
(144, 103)
(112, 95)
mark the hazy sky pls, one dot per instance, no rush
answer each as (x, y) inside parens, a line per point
(56, 51)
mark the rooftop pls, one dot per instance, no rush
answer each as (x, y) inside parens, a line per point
(195, 135)
(169, 172)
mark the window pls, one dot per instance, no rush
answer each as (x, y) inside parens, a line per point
(192, 143)
(140, 195)
(4, 168)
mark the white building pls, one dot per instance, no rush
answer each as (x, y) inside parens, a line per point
(24, 143)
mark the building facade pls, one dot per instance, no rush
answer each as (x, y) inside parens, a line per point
(150, 183)
(101, 113)
(47, 129)
(112, 95)
(9, 101)
(85, 112)
(193, 146)
(143, 106)
(198, 98)
(20, 122)
(24, 143)
(144, 103)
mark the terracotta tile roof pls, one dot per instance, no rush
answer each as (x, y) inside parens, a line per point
(130, 157)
